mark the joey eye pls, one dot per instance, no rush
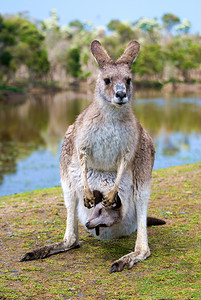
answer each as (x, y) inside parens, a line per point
(128, 81)
(99, 212)
(107, 81)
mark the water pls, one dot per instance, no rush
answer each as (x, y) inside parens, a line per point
(31, 134)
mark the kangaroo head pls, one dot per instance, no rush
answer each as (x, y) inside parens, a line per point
(104, 216)
(114, 84)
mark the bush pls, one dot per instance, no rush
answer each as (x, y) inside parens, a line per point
(148, 84)
(73, 63)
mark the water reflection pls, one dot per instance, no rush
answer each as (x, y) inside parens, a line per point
(31, 135)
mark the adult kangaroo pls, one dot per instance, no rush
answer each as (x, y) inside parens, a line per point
(107, 150)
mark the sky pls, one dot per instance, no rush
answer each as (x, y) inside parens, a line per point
(100, 12)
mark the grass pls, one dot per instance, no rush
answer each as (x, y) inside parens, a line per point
(172, 271)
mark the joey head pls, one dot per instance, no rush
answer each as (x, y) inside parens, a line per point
(104, 216)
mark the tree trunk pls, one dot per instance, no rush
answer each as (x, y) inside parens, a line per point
(186, 75)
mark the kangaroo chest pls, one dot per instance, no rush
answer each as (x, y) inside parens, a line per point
(107, 143)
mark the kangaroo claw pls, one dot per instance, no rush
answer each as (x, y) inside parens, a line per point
(110, 199)
(117, 267)
(28, 256)
(89, 199)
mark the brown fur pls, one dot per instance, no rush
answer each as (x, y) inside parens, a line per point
(129, 54)
(106, 139)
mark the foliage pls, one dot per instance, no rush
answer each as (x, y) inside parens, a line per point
(77, 25)
(184, 27)
(147, 25)
(7, 41)
(111, 43)
(148, 84)
(73, 63)
(50, 49)
(170, 20)
(21, 43)
(150, 60)
(150, 27)
(38, 63)
(125, 32)
(185, 54)
(113, 25)
(51, 24)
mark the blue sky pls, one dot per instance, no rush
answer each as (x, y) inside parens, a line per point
(100, 12)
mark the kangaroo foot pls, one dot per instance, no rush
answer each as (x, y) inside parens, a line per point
(127, 261)
(46, 251)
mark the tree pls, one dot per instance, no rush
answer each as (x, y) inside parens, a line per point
(125, 33)
(117, 41)
(184, 27)
(149, 26)
(38, 64)
(150, 60)
(51, 24)
(169, 21)
(185, 54)
(113, 46)
(21, 43)
(76, 25)
(7, 42)
(30, 48)
(73, 63)
(113, 25)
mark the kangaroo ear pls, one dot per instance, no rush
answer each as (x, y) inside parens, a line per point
(130, 54)
(100, 54)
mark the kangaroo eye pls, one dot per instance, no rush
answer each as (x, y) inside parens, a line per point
(99, 212)
(128, 81)
(107, 81)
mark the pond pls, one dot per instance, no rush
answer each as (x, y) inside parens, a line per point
(31, 134)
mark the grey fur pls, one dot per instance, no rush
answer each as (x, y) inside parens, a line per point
(107, 149)
(108, 216)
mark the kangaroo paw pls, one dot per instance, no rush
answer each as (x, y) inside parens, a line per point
(89, 199)
(110, 199)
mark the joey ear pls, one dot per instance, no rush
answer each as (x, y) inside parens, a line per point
(118, 201)
(98, 196)
(100, 54)
(130, 54)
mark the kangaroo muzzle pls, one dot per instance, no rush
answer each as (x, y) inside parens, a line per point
(120, 94)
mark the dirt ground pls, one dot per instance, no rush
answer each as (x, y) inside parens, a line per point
(37, 218)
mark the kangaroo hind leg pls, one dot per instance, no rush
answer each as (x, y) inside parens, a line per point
(141, 250)
(71, 239)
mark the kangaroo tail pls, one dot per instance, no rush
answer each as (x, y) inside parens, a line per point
(154, 221)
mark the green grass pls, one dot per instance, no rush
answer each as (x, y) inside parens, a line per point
(172, 271)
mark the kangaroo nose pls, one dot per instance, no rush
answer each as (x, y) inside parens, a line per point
(87, 224)
(120, 94)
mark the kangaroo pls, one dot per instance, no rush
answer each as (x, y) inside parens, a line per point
(107, 150)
